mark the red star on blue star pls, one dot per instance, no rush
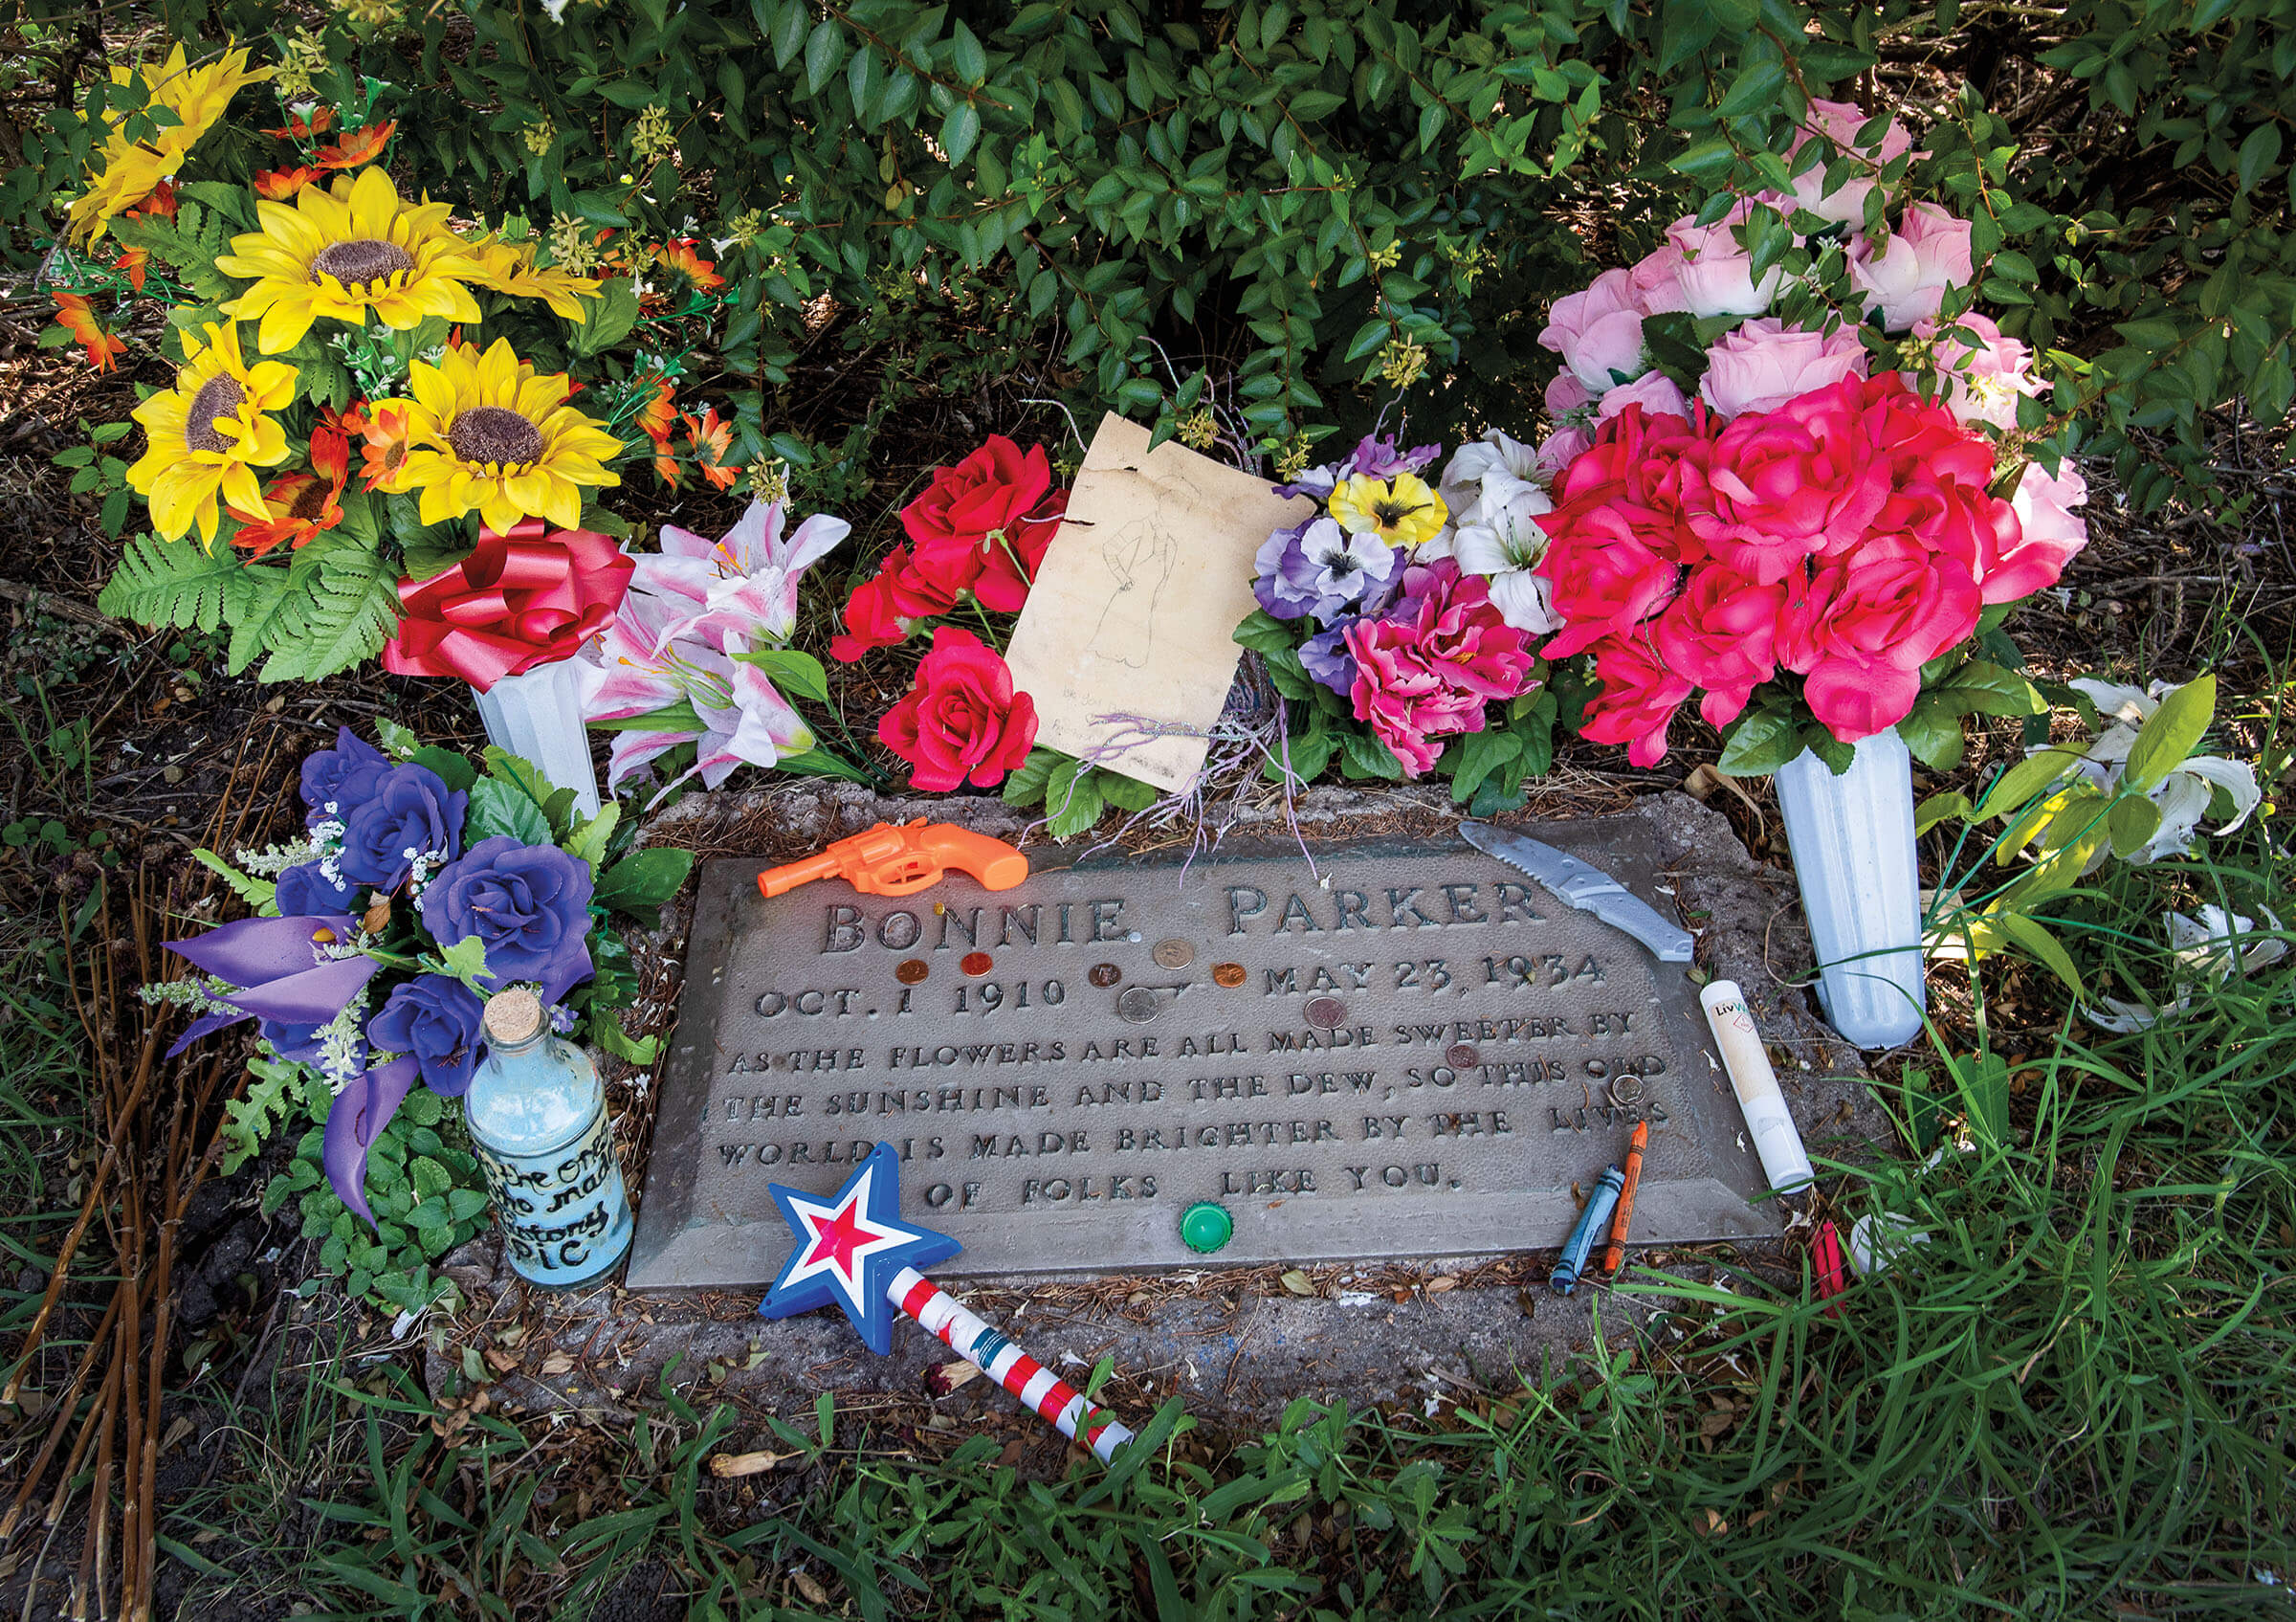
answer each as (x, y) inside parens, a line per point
(849, 1246)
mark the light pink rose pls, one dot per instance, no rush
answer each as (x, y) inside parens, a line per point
(1984, 379)
(1561, 448)
(1715, 277)
(1566, 395)
(2048, 534)
(1654, 391)
(1765, 363)
(1656, 277)
(1599, 331)
(1906, 279)
(1838, 122)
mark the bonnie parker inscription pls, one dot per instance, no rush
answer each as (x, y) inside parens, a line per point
(1406, 1051)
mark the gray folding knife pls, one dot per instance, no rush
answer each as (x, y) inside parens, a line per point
(1587, 888)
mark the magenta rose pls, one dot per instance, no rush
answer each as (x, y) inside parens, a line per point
(1776, 484)
(1597, 331)
(1610, 565)
(1717, 634)
(1638, 697)
(1427, 670)
(1636, 451)
(2032, 551)
(963, 720)
(1764, 363)
(1905, 279)
(1864, 625)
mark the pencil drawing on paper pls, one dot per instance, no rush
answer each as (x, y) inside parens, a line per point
(1140, 557)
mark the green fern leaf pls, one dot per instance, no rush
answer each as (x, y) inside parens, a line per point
(249, 1121)
(343, 604)
(176, 583)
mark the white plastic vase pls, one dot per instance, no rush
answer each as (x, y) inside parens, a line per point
(538, 716)
(1852, 841)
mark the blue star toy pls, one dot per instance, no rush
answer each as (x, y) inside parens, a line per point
(848, 1248)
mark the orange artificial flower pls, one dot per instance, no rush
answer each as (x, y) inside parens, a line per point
(658, 416)
(711, 439)
(300, 128)
(679, 256)
(73, 316)
(134, 264)
(160, 204)
(301, 505)
(385, 430)
(357, 147)
(279, 185)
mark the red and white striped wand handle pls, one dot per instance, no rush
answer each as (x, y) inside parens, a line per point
(990, 1352)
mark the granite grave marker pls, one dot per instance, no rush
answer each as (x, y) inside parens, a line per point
(1405, 1050)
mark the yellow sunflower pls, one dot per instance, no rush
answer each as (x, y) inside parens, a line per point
(209, 433)
(509, 267)
(1401, 511)
(486, 432)
(345, 252)
(133, 169)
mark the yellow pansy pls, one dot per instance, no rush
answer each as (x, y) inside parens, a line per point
(1402, 511)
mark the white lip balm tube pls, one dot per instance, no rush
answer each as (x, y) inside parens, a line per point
(1785, 1161)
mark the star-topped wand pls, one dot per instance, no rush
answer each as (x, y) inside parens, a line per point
(853, 1250)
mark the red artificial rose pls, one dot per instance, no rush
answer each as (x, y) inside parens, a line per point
(1777, 486)
(1640, 696)
(1639, 453)
(993, 489)
(1611, 564)
(871, 620)
(1865, 624)
(1717, 634)
(963, 719)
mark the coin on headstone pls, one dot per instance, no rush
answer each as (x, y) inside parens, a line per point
(1327, 1013)
(1229, 974)
(1626, 1091)
(1462, 1056)
(1104, 974)
(976, 964)
(1173, 954)
(911, 971)
(1139, 1005)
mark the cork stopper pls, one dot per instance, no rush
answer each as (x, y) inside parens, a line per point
(513, 1016)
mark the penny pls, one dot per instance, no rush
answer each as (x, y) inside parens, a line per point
(911, 971)
(1462, 1056)
(1104, 974)
(1136, 1006)
(976, 964)
(1229, 974)
(1174, 953)
(1326, 1014)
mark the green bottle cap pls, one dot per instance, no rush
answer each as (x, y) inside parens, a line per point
(1204, 1227)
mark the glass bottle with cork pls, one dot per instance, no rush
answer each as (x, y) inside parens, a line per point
(537, 1115)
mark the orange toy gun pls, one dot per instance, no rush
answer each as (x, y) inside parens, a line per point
(897, 859)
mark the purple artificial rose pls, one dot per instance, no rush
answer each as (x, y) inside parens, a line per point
(409, 818)
(438, 1021)
(307, 890)
(529, 905)
(337, 778)
(1321, 569)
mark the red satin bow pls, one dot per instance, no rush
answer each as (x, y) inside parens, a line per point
(521, 599)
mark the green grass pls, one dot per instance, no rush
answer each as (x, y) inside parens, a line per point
(2072, 1401)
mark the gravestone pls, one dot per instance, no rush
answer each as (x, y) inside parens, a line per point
(1394, 1048)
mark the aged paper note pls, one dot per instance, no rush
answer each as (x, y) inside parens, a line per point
(1126, 641)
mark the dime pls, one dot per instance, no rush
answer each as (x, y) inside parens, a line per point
(1136, 1006)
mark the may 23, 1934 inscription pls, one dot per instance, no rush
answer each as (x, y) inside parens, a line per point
(1403, 1050)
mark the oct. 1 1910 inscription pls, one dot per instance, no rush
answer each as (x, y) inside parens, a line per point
(1400, 1050)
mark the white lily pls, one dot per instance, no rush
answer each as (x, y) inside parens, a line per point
(1495, 451)
(2184, 794)
(2208, 948)
(1498, 536)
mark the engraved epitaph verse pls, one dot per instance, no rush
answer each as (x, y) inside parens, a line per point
(1416, 1056)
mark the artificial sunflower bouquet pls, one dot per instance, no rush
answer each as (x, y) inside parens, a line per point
(390, 428)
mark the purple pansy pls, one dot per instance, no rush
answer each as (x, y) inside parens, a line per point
(1321, 569)
(1328, 659)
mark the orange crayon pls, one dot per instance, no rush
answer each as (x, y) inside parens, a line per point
(1616, 1256)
